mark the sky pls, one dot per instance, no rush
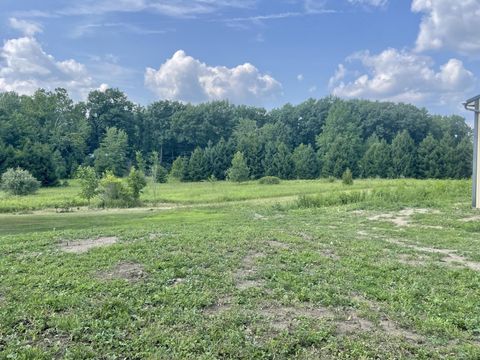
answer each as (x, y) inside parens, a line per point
(255, 52)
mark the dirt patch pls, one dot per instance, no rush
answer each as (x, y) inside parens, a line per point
(248, 269)
(176, 281)
(449, 256)
(386, 325)
(471, 218)
(284, 317)
(401, 218)
(305, 236)
(129, 271)
(222, 305)
(353, 323)
(329, 253)
(82, 246)
(259, 217)
(412, 260)
(277, 244)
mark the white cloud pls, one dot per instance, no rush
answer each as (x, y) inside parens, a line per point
(25, 67)
(402, 76)
(300, 77)
(187, 79)
(173, 8)
(27, 28)
(378, 3)
(451, 24)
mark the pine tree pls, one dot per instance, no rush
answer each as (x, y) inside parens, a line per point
(428, 159)
(179, 169)
(463, 156)
(112, 153)
(239, 171)
(403, 155)
(281, 164)
(376, 161)
(305, 162)
(197, 166)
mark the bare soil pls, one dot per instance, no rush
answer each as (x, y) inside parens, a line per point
(82, 246)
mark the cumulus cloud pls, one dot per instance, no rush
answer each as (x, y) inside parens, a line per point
(402, 76)
(25, 67)
(187, 79)
(27, 28)
(448, 24)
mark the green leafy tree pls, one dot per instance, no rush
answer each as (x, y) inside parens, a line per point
(305, 162)
(239, 171)
(179, 169)
(88, 182)
(463, 155)
(140, 161)
(136, 183)
(403, 155)
(428, 159)
(197, 166)
(376, 161)
(112, 154)
(340, 143)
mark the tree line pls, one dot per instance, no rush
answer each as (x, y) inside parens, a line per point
(50, 135)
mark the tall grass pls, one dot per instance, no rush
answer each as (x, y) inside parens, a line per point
(431, 193)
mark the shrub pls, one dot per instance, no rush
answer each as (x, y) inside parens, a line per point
(347, 177)
(88, 182)
(269, 180)
(331, 179)
(113, 192)
(19, 182)
(161, 175)
(136, 182)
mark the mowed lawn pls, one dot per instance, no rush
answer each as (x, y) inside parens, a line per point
(245, 271)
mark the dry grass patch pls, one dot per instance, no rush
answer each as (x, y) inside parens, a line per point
(82, 246)
(129, 271)
(401, 218)
(248, 269)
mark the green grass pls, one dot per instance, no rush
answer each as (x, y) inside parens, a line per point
(330, 274)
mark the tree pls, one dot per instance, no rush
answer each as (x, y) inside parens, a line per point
(463, 155)
(376, 161)
(239, 171)
(340, 143)
(19, 182)
(197, 166)
(428, 159)
(88, 182)
(403, 155)
(140, 161)
(112, 154)
(282, 165)
(179, 168)
(136, 182)
(305, 162)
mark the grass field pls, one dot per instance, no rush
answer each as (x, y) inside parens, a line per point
(384, 269)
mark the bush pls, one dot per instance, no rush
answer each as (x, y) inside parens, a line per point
(19, 182)
(136, 182)
(269, 180)
(331, 179)
(161, 174)
(347, 177)
(113, 192)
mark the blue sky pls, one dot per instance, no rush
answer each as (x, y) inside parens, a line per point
(259, 52)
